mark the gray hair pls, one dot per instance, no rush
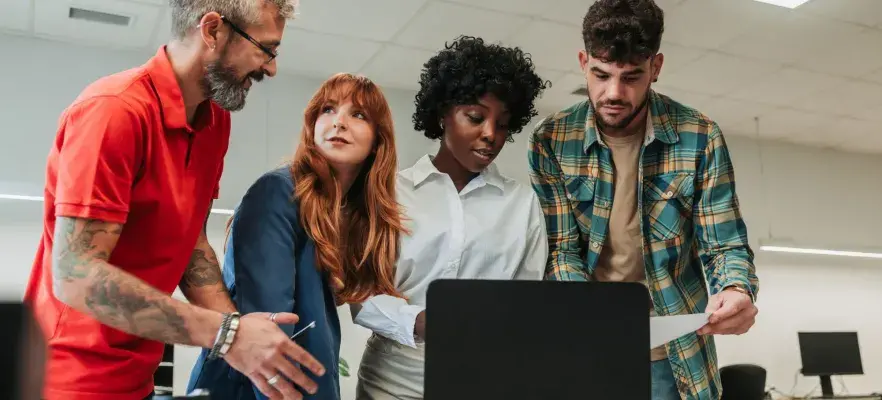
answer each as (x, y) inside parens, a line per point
(186, 14)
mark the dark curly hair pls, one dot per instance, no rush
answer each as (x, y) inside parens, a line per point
(468, 69)
(623, 31)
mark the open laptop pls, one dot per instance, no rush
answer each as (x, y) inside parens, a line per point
(525, 340)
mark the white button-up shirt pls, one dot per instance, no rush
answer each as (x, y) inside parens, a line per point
(492, 229)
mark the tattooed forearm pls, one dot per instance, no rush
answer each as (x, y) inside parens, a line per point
(202, 283)
(114, 298)
(87, 282)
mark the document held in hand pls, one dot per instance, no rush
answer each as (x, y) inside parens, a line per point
(667, 328)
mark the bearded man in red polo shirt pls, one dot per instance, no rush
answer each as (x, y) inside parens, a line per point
(130, 180)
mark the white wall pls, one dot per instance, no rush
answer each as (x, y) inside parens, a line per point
(804, 196)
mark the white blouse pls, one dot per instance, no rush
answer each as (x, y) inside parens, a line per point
(493, 229)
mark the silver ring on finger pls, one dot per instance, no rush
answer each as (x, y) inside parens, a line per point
(273, 381)
(273, 318)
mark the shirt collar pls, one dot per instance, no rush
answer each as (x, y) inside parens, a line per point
(424, 168)
(658, 123)
(171, 99)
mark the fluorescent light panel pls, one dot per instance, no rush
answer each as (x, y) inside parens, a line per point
(821, 252)
(222, 211)
(785, 3)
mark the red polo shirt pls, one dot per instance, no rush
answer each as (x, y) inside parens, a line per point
(125, 153)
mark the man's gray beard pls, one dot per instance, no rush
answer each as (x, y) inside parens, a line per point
(223, 86)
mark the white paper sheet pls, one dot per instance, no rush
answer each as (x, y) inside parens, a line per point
(667, 328)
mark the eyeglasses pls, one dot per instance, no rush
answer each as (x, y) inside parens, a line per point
(272, 54)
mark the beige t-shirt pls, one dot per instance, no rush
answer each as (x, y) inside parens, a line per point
(621, 259)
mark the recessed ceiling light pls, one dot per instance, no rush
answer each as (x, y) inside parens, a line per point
(98, 16)
(785, 3)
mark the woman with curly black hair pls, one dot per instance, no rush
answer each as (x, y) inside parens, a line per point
(466, 220)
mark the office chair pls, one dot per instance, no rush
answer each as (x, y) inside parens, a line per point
(743, 382)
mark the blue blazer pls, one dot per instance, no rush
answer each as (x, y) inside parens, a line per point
(270, 266)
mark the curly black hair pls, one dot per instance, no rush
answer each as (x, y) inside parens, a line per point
(468, 69)
(623, 31)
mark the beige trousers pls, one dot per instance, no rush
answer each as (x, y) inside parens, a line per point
(390, 371)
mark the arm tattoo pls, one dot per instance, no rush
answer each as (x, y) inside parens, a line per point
(75, 248)
(202, 282)
(86, 281)
(204, 270)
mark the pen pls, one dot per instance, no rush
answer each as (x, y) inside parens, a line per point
(298, 333)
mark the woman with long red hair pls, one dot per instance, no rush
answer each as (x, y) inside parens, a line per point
(316, 233)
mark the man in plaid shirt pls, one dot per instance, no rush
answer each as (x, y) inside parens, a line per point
(637, 187)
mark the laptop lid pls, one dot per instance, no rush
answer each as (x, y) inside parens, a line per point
(513, 340)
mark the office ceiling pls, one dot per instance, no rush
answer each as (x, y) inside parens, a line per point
(812, 75)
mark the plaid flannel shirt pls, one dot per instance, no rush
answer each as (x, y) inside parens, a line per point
(694, 237)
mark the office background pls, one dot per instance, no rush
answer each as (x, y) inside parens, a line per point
(807, 175)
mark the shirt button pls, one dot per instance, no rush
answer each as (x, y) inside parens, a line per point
(570, 196)
(669, 194)
(595, 245)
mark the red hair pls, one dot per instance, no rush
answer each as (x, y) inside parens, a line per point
(359, 248)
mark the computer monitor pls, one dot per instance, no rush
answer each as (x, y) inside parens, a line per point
(825, 354)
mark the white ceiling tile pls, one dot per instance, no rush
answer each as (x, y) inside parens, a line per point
(551, 45)
(320, 55)
(567, 84)
(785, 86)
(16, 15)
(548, 74)
(51, 21)
(842, 49)
(560, 96)
(677, 56)
(734, 115)
(875, 76)
(523, 7)
(717, 74)
(788, 122)
(870, 143)
(398, 67)
(783, 42)
(376, 20)
(690, 99)
(864, 12)
(440, 23)
(800, 39)
(873, 114)
(163, 32)
(572, 12)
(851, 98)
(797, 126)
(710, 23)
(849, 129)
